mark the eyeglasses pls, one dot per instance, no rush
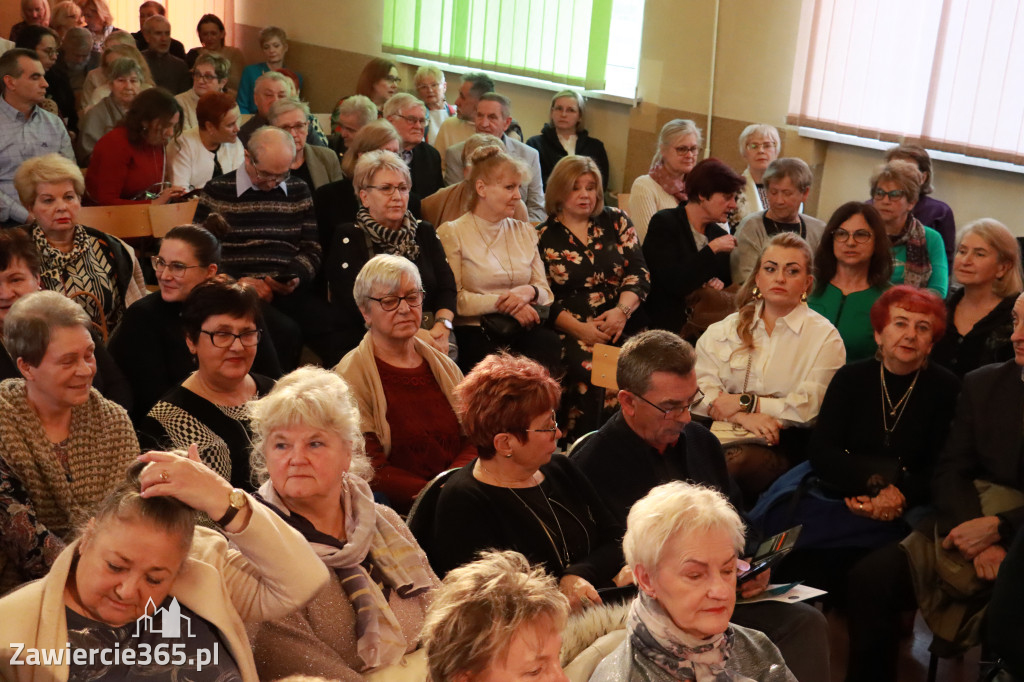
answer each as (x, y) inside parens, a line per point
(553, 429)
(227, 339)
(176, 269)
(50, 51)
(758, 146)
(412, 120)
(393, 79)
(208, 77)
(675, 412)
(893, 194)
(428, 86)
(859, 237)
(389, 190)
(389, 303)
(263, 176)
(691, 151)
(295, 127)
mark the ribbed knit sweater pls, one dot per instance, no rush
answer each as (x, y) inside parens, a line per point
(272, 233)
(100, 447)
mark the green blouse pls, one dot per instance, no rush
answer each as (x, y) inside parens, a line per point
(851, 316)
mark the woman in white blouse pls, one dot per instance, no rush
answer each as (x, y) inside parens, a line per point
(210, 149)
(664, 186)
(765, 368)
(498, 270)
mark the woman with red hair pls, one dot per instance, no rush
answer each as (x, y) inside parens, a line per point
(211, 148)
(515, 495)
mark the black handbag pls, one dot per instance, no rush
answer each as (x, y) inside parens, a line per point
(503, 328)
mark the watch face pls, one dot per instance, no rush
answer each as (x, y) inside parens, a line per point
(237, 499)
(447, 323)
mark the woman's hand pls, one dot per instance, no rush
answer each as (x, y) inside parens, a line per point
(624, 577)
(281, 288)
(887, 505)
(168, 194)
(756, 585)
(514, 299)
(715, 283)
(611, 322)
(439, 337)
(987, 563)
(262, 290)
(725, 406)
(527, 316)
(725, 243)
(190, 481)
(974, 536)
(589, 333)
(580, 593)
(760, 425)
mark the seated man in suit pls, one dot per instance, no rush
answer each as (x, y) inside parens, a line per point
(409, 116)
(493, 116)
(152, 8)
(651, 441)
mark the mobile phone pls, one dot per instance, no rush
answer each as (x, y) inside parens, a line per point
(770, 552)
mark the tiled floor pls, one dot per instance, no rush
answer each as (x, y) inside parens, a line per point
(914, 656)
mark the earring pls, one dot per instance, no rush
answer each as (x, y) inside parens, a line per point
(508, 456)
(756, 294)
(878, 353)
(803, 297)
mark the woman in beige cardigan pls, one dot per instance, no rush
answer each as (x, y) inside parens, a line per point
(309, 451)
(318, 166)
(143, 580)
(402, 385)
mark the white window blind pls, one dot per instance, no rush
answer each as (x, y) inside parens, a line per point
(941, 73)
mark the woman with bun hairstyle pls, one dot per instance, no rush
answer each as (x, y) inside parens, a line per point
(149, 345)
(499, 274)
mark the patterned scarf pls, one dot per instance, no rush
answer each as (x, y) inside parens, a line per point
(83, 268)
(918, 268)
(670, 183)
(687, 659)
(372, 541)
(400, 242)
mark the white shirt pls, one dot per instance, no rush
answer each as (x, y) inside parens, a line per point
(192, 163)
(488, 259)
(646, 198)
(437, 117)
(790, 370)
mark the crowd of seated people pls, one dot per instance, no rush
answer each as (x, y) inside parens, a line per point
(452, 283)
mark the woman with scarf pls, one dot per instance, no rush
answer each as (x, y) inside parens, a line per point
(918, 253)
(309, 452)
(384, 224)
(402, 385)
(664, 185)
(683, 543)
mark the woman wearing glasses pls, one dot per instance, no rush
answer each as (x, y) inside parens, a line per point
(378, 81)
(918, 253)
(760, 144)
(564, 135)
(515, 495)
(221, 319)
(149, 346)
(664, 185)
(210, 74)
(851, 270)
(315, 165)
(384, 224)
(402, 385)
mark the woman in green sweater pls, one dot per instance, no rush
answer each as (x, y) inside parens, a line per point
(853, 266)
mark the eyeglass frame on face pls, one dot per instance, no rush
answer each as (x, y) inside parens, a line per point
(687, 151)
(50, 51)
(389, 190)
(865, 234)
(393, 79)
(421, 294)
(412, 120)
(428, 86)
(221, 334)
(263, 176)
(159, 264)
(758, 146)
(553, 429)
(294, 128)
(676, 411)
(207, 77)
(893, 194)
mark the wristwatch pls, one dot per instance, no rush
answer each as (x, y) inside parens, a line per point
(446, 322)
(237, 501)
(626, 310)
(746, 402)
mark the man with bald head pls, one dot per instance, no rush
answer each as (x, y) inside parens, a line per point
(272, 244)
(269, 88)
(168, 71)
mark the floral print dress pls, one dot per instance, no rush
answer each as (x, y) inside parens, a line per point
(587, 280)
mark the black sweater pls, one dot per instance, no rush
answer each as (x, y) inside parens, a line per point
(988, 340)
(551, 151)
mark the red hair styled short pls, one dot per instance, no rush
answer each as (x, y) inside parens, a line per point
(915, 300)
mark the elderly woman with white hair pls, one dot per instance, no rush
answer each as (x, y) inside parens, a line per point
(309, 453)
(314, 164)
(209, 74)
(403, 385)
(384, 224)
(63, 446)
(664, 185)
(683, 543)
(564, 135)
(496, 618)
(431, 87)
(760, 144)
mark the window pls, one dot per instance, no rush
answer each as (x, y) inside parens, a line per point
(593, 44)
(940, 74)
(183, 15)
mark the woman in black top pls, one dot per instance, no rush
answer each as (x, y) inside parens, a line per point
(384, 224)
(564, 135)
(987, 266)
(516, 495)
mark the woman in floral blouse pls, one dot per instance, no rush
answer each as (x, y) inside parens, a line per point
(598, 276)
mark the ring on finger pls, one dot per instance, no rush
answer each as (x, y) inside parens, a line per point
(165, 476)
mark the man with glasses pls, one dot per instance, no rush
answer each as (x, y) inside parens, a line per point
(787, 183)
(272, 244)
(409, 116)
(651, 441)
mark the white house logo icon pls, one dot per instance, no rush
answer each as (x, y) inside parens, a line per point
(170, 620)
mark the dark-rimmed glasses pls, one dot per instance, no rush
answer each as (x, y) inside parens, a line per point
(176, 269)
(222, 339)
(675, 412)
(893, 194)
(859, 237)
(389, 303)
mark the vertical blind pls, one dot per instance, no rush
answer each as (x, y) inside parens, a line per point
(565, 41)
(944, 74)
